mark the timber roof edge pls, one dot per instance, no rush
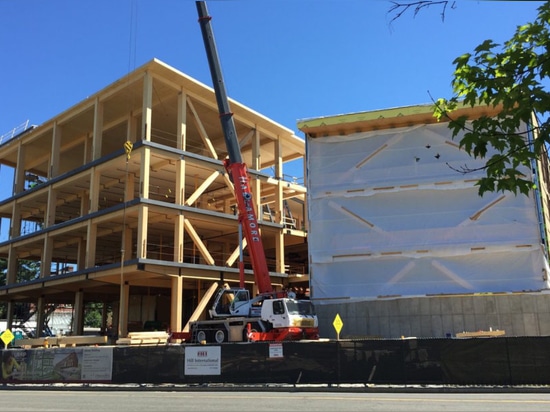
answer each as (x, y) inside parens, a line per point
(345, 124)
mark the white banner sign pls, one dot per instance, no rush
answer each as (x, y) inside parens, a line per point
(203, 360)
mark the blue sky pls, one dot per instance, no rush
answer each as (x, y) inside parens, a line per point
(287, 59)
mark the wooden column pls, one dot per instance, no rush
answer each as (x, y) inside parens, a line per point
(78, 313)
(47, 249)
(176, 304)
(15, 226)
(91, 235)
(143, 218)
(19, 173)
(88, 148)
(10, 314)
(147, 107)
(98, 130)
(255, 186)
(81, 254)
(40, 317)
(46, 263)
(127, 230)
(123, 310)
(143, 209)
(179, 231)
(55, 153)
(95, 180)
(182, 121)
(280, 238)
(11, 276)
(176, 301)
(49, 219)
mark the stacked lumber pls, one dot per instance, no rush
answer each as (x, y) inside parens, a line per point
(144, 338)
(61, 341)
(481, 334)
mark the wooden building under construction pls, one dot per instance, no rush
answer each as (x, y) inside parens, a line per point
(123, 200)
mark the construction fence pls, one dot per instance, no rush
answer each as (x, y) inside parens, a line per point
(445, 361)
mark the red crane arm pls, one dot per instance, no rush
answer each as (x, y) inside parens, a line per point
(249, 221)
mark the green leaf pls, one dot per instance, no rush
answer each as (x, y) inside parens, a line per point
(513, 76)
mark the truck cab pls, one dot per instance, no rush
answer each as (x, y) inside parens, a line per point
(236, 317)
(287, 312)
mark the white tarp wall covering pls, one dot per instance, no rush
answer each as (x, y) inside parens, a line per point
(390, 217)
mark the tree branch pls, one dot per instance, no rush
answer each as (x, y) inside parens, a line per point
(465, 169)
(400, 8)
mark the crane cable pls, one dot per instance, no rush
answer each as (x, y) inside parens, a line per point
(128, 146)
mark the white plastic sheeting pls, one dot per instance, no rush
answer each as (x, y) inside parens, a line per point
(390, 217)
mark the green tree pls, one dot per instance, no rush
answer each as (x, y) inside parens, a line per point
(92, 315)
(28, 270)
(514, 77)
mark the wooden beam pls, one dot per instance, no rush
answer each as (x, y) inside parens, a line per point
(203, 250)
(202, 131)
(200, 190)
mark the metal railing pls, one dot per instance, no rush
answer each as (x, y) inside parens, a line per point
(14, 132)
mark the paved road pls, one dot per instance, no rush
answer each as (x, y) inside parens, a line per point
(229, 401)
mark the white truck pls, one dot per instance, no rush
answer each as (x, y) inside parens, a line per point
(236, 317)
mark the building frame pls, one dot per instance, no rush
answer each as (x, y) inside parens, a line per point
(123, 199)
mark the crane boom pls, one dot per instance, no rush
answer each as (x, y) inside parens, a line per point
(234, 165)
(235, 316)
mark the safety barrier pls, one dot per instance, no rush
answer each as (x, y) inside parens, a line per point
(475, 361)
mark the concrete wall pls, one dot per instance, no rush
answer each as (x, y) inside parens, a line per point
(517, 314)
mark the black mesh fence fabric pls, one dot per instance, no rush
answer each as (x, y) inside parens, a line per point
(478, 361)
(442, 361)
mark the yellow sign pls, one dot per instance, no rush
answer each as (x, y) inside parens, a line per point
(7, 337)
(338, 323)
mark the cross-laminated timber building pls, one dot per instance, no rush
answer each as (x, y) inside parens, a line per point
(123, 200)
(400, 242)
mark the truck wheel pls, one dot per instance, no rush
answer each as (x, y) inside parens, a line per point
(219, 336)
(201, 336)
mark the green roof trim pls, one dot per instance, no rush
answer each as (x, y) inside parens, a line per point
(365, 116)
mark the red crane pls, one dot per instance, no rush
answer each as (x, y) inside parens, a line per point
(235, 316)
